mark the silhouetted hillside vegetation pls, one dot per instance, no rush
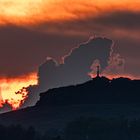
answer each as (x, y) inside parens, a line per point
(17, 132)
(80, 129)
(103, 129)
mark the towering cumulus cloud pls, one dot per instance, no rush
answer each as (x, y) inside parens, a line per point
(74, 69)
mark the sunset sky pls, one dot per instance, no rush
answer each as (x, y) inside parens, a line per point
(32, 30)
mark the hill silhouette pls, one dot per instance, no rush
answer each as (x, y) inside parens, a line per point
(100, 90)
(98, 97)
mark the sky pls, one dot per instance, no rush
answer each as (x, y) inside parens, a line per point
(32, 30)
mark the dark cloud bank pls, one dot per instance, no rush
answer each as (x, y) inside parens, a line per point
(17, 44)
(74, 69)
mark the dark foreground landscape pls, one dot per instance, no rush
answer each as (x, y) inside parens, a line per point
(98, 109)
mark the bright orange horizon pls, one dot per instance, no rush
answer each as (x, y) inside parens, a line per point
(10, 86)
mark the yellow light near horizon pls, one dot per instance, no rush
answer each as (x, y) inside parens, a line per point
(9, 87)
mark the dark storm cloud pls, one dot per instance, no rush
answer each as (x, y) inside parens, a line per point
(76, 65)
(75, 68)
(23, 50)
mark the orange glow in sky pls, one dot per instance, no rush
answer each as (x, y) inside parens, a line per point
(24, 12)
(34, 12)
(10, 87)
